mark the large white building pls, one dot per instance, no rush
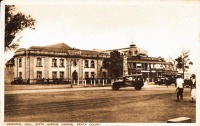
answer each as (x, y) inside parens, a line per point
(58, 61)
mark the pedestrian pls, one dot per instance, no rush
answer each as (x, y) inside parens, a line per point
(179, 88)
(167, 81)
(48, 81)
(193, 87)
(42, 80)
(28, 81)
(159, 80)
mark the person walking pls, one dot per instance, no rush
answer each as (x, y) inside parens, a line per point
(47, 81)
(28, 81)
(193, 87)
(167, 81)
(179, 88)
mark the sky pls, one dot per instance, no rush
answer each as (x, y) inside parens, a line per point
(163, 28)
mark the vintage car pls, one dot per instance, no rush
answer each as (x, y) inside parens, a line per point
(135, 80)
(18, 81)
(168, 80)
(160, 80)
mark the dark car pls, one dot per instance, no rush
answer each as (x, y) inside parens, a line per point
(165, 80)
(160, 80)
(135, 80)
(18, 81)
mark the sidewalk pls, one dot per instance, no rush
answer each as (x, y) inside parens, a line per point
(18, 88)
(57, 86)
(21, 89)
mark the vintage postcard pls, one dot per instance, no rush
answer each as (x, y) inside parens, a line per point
(101, 62)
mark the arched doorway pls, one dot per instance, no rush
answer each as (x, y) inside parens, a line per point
(75, 76)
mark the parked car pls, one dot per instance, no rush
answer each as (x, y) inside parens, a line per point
(160, 80)
(135, 80)
(18, 81)
(165, 80)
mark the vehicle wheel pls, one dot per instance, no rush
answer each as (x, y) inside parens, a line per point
(138, 87)
(115, 88)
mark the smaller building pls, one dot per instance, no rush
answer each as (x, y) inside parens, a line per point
(137, 61)
(9, 71)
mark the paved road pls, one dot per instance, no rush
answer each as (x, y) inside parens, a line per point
(98, 104)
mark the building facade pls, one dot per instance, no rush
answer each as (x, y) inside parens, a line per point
(60, 61)
(136, 61)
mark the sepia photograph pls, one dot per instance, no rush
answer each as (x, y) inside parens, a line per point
(100, 62)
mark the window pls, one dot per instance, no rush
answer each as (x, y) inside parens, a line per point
(54, 62)
(61, 75)
(39, 74)
(39, 62)
(131, 65)
(62, 63)
(86, 64)
(138, 65)
(20, 75)
(92, 74)
(134, 65)
(144, 65)
(74, 63)
(86, 74)
(104, 74)
(20, 62)
(92, 64)
(54, 75)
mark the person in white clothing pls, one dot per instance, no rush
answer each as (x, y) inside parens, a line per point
(193, 87)
(179, 88)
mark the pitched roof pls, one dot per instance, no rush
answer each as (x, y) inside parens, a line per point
(88, 52)
(60, 47)
(10, 62)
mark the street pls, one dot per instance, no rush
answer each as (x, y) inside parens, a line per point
(152, 104)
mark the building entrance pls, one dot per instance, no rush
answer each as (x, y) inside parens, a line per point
(75, 76)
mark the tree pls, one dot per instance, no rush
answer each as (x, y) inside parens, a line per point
(183, 61)
(14, 24)
(114, 64)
